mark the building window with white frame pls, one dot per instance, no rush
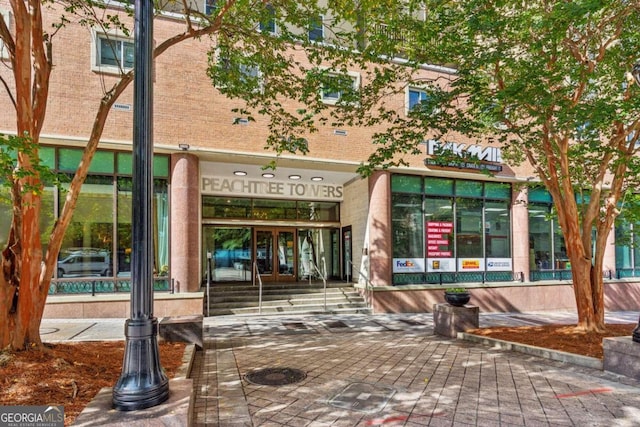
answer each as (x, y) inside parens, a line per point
(113, 54)
(416, 98)
(268, 22)
(210, 6)
(316, 29)
(341, 87)
(235, 67)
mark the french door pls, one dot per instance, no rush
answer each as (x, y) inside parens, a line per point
(275, 253)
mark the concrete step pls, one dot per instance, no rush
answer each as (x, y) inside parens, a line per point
(241, 287)
(293, 310)
(285, 299)
(240, 297)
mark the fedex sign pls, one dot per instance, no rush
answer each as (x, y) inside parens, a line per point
(408, 265)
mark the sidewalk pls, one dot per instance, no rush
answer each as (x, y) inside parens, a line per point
(386, 370)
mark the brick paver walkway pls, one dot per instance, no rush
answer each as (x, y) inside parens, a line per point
(425, 380)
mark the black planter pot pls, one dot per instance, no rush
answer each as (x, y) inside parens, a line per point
(457, 299)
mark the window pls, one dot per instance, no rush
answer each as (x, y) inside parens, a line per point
(421, 100)
(316, 29)
(6, 15)
(268, 21)
(113, 54)
(416, 97)
(341, 87)
(233, 69)
(210, 6)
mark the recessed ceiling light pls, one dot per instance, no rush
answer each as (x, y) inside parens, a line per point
(268, 175)
(316, 178)
(294, 177)
(240, 173)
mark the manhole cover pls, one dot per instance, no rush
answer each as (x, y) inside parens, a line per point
(363, 397)
(45, 331)
(336, 324)
(275, 376)
(295, 325)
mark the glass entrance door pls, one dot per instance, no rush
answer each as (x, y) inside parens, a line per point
(275, 253)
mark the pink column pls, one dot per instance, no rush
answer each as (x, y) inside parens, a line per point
(379, 224)
(609, 261)
(520, 229)
(185, 222)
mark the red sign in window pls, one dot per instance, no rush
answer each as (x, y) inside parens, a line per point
(438, 233)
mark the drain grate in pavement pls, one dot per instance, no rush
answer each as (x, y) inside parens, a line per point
(275, 376)
(363, 397)
(411, 322)
(335, 324)
(294, 325)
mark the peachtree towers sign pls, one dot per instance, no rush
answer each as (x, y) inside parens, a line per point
(220, 186)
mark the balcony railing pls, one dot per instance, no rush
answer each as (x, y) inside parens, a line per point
(100, 285)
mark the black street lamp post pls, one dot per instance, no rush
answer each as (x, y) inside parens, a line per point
(142, 383)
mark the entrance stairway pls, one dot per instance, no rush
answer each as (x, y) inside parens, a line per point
(283, 298)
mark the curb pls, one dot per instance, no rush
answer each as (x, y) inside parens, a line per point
(561, 356)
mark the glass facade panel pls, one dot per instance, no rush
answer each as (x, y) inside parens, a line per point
(407, 226)
(469, 231)
(5, 214)
(125, 163)
(69, 159)
(230, 253)
(540, 237)
(273, 209)
(624, 247)
(438, 216)
(319, 211)
(87, 245)
(161, 166)
(47, 156)
(437, 186)
(269, 209)
(125, 203)
(539, 194)
(225, 207)
(497, 190)
(497, 230)
(469, 188)
(406, 184)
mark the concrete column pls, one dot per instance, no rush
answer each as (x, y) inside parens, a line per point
(609, 261)
(185, 222)
(520, 230)
(380, 261)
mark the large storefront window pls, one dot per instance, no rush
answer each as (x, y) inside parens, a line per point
(87, 244)
(98, 239)
(547, 251)
(627, 249)
(465, 227)
(226, 253)
(46, 215)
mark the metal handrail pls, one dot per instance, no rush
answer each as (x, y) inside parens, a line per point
(256, 274)
(368, 287)
(324, 279)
